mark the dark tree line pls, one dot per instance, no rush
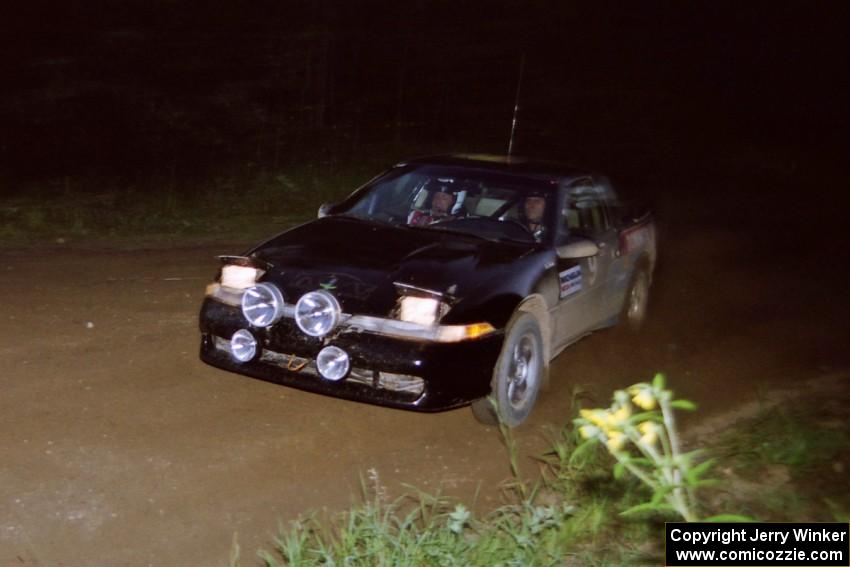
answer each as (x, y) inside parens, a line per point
(175, 90)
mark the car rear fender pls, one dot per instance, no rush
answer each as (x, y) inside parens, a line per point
(644, 264)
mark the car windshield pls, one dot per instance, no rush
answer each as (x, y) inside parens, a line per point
(483, 204)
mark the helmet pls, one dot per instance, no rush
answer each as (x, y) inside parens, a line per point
(442, 185)
(437, 185)
(534, 193)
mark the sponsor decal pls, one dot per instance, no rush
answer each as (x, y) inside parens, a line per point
(570, 281)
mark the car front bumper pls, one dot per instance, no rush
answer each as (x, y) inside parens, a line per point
(403, 373)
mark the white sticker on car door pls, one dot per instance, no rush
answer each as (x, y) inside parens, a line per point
(570, 281)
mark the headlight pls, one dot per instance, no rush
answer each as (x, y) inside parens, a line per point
(317, 313)
(422, 310)
(262, 304)
(239, 277)
(333, 363)
(243, 346)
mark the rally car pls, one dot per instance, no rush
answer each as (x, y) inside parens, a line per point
(442, 282)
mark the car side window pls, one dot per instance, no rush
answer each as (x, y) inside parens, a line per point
(591, 216)
(582, 212)
(572, 218)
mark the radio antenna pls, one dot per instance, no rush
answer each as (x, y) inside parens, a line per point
(516, 104)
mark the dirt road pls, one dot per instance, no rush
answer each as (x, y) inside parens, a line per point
(121, 448)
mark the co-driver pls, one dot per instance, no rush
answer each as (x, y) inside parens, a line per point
(533, 209)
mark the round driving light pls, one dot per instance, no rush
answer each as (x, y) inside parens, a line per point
(243, 345)
(317, 313)
(333, 363)
(262, 304)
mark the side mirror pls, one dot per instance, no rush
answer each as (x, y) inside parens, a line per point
(325, 209)
(578, 249)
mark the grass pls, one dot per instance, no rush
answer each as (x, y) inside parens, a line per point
(786, 437)
(245, 205)
(789, 462)
(426, 529)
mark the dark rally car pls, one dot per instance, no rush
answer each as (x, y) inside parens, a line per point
(440, 282)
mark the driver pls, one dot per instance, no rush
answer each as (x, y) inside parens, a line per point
(533, 208)
(442, 201)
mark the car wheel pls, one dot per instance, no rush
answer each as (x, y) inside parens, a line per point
(636, 302)
(517, 376)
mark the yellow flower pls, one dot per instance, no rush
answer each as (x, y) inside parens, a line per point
(649, 432)
(643, 398)
(616, 440)
(614, 420)
(596, 416)
(588, 431)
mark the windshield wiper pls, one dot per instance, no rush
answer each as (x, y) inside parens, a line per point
(366, 220)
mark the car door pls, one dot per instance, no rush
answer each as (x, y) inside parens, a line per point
(595, 225)
(580, 278)
(618, 270)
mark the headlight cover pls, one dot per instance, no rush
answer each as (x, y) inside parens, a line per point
(422, 310)
(317, 313)
(262, 304)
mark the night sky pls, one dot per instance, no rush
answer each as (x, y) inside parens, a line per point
(134, 91)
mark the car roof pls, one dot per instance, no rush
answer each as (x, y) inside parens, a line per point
(512, 165)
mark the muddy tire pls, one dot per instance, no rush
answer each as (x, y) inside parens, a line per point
(517, 376)
(633, 314)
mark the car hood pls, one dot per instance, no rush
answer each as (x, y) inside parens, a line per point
(360, 261)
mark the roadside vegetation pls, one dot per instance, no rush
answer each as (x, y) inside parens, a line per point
(244, 205)
(255, 199)
(603, 491)
(791, 461)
